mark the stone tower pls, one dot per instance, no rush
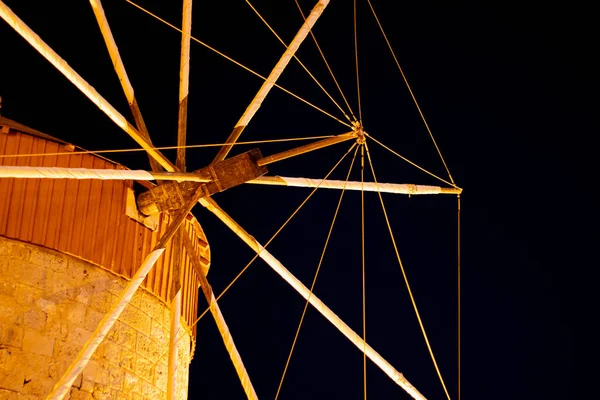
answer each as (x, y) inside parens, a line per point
(67, 250)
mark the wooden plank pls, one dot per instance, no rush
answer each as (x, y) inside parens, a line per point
(57, 203)
(44, 196)
(32, 192)
(11, 148)
(93, 211)
(67, 223)
(17, 194)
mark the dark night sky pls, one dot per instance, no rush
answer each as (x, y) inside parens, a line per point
(508, 90)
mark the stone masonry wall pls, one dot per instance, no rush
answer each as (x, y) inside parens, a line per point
(50, 303)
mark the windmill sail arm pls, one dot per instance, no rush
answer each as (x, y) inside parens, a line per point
(385, 366)
(396, 188)
(46, 51)
(278, 69)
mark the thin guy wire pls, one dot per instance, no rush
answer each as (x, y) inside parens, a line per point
(356, 62)
(411, 92)
(239, 64)
(412, 298)
(299, 62)
(193, 146)
(326, 63)
(458, 299)
(263, 248)
(312, 286)
(364, 298)
(410, 162)
(278, 231)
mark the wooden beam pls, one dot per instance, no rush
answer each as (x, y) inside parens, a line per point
(46, 51)
(385, 366)
(266, 87)
(113, 51)
(215, 310)
(184, 82)
(306, 148)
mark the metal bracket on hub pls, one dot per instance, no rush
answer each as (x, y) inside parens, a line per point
(223, 175)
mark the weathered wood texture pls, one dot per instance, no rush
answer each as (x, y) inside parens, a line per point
(87, 218)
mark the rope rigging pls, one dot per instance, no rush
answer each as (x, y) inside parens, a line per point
(238, 63)
(265, 246)
(326, 63)
(314, 281)
(411, 92)
(412, 298)
(298, 60)
(192, 146)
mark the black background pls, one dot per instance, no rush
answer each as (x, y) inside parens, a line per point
(509, 90)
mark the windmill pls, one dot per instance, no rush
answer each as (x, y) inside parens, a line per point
(179, 191)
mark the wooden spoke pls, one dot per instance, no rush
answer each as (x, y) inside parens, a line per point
(115, 56)
(46, 51)
(385, 366)
(184, 82)
(255, 104)
(215, 310)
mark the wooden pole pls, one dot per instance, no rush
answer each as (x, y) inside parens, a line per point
(184, 82)
(22, 29)
(256, 102)
(25, 172)
(113, 50)
(306, 148)
(215, 310)
(64, 384)
(184, 79)
(386, 367)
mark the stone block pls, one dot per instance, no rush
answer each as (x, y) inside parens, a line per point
(29, 274)
(38, 386)
(55, 328)
(87, 385)
(151, 392)
(161, 376)
(34, 365)
(8, 289)
(11, 315)
(94, 372)
(101, 392)
(116, 378)
(131, 383)
(11, 336)
(144, 368)
(93, 318)
(54, 261)
(34, 319)
(47, 306)
(147, 348)
(64, 350)
(74, 313)
(128, 359)
(84, 295)
(78, 336)
(37, 343)
(159, 333)
(77, 394)
(12, 380)
(26, 295)
(7, 395)
(151, 305)
(138, 320)
(127, 336)
(101, 301)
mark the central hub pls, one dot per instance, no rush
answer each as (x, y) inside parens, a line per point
(359, 132)
(222, 175)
